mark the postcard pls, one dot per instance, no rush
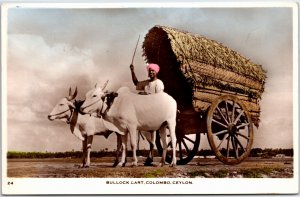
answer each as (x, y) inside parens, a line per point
(149, 98)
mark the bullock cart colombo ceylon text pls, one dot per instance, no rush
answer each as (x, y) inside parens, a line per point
(216, 89)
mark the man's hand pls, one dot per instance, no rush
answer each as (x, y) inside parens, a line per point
(134, 79)
(131, 67)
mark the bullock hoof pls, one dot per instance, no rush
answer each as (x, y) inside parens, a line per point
(148, 162)
(115, 164)
(173, 164)
(134, 164)
(161, 164)
(120, 165)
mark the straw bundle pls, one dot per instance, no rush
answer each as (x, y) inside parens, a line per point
(192, 63)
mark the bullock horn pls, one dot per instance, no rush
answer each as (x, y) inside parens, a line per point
(71, 97)
(104, 86)
(70, 91)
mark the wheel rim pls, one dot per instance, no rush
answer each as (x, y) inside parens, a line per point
(187, 147)
(229, 130)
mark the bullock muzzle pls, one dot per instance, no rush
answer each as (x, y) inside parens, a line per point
(50, 118)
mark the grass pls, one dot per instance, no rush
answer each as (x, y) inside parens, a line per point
(154, 174)
(258, 173)
(197, 173)
(221, 173)
(246, 173)
(201, 173)
(251, 173)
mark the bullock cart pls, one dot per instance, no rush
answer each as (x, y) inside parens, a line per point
(217, 92)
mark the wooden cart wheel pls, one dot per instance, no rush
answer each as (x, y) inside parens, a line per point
(229, 129)
(187, 147)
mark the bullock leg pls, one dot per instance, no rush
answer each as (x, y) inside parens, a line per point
(133, 131)
(172, 127)
(89, 148)
(119, 146)
(151, 140)
(163, 136)
(124, 149)
(84, 152)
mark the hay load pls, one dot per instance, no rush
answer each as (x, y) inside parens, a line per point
(197, 70)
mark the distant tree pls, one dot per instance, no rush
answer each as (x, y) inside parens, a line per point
(256, 152)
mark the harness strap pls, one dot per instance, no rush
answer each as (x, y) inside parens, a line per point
(100, 114)
(73, 118)
(108, 103)
(68, 119)
(61, 112)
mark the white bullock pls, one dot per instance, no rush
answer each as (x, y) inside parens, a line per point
(83, 126)
(131, 112)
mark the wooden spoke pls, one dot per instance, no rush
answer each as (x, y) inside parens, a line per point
(228, 140)
(225, 137)
(238, 117)
(234, 147)
(186, 147)
(218, 109)
(238, 141)
(233, 110)
(219, 123)
(243, 136)
(221, 132)
(180, 151)
(189, 139)
(170, 144)
(227, 113)
(242, 125)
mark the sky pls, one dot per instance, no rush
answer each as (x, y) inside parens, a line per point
(50, 50)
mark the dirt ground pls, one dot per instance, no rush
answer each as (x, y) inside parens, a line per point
(197, 168)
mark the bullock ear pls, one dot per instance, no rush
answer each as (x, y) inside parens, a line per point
(70, 92)
(71, 97)
(104, 86)
(71, 105)
(75, 93)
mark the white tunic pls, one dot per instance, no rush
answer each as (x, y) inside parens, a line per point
(150, 87)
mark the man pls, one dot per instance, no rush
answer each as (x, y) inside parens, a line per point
(150, 86)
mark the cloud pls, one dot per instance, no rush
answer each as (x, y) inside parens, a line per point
(21, 114)
(40, 70)
(31, 52)
(49, 137)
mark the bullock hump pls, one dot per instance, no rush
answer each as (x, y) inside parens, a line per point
(123, 89)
